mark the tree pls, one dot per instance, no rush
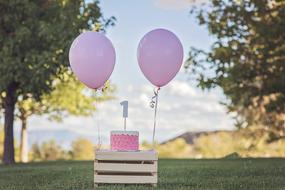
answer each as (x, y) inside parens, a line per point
(34, 51)
(216, 145)
(49, 151)
(68, 97)
(35, 152)
(82, 149)
(177, 148)
(246, 60)
(1, 142)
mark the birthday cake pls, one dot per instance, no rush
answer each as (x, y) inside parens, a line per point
(124, 140)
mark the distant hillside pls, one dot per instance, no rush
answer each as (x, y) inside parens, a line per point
(190, 137)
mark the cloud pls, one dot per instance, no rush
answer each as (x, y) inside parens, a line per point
(177, 4)
(179, 88)
(181, 108)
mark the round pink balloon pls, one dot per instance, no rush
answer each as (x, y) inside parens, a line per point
(92, 59)
(160, 56)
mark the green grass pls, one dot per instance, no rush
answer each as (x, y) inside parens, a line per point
(173, 174)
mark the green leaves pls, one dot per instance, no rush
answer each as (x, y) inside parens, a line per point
(35, 38)
(247, 59)
(68, 97)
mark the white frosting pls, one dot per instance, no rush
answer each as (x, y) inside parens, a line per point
(135, 133)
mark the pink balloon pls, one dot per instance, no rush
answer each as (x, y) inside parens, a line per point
(160, 56)
(92, 59)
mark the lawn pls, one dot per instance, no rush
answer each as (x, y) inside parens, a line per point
(173, 174)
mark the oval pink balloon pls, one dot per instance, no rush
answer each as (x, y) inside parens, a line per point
(160, 56)
(92, 58)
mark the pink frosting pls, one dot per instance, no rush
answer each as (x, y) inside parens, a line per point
(124, 142)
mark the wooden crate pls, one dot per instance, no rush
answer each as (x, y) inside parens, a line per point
(114, 167)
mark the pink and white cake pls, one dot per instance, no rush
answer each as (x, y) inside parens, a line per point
(124, 140)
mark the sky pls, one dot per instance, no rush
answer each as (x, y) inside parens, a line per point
(182, 106)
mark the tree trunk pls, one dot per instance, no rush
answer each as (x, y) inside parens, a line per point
(24, 141)
(9, 107)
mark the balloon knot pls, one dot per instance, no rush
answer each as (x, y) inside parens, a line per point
(153, 99)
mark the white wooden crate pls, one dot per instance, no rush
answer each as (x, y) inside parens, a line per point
(116, 167)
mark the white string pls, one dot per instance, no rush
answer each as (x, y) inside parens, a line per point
(97, 122)
(99, 135)
(154, 104)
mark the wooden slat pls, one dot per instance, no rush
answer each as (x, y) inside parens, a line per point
(127, 179)
(115, 167)
(114, 155)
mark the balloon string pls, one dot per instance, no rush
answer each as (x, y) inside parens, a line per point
(153, 104)
(99, 141)
(98, 124)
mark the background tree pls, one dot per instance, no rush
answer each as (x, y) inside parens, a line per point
(35, 153)
(48, 151)
(1, 142)
(82, 149)
(177, 148)
(69, 97)
(246, 60)
(34, 51)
